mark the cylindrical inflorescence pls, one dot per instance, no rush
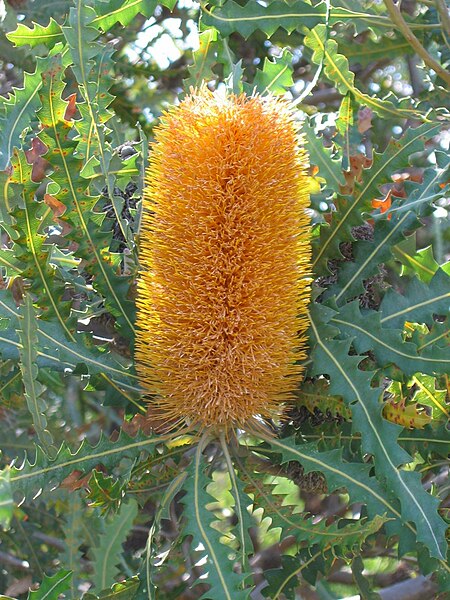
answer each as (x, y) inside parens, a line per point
(224, 261)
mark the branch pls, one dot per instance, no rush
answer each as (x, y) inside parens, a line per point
(397, 18)
(412, 589)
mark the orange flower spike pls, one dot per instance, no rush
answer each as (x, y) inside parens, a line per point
(225, 261)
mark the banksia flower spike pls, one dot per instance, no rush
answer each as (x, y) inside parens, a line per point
(225, 262)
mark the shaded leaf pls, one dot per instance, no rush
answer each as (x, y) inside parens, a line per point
(223, 581)
(231, 17)
(38, 34)
(378, 436)
(109, 550)
(52, 587)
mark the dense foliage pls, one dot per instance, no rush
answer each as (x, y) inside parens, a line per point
(350, 493)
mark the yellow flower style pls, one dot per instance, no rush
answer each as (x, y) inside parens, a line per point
(224, 261)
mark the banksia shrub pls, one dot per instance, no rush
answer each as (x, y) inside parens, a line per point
(224, 259)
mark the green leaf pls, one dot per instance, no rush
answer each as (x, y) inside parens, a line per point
(109, 551)
(420, 197)
(387, 345)
(426, 441)
(231, 17)
(370, 50)
(306, 565)
(38, 34)
(428, 395)
(52, 587)
(418, 302)
(31, 221)
(368, 255)
(56, 352)
(205, 58)
(361, 580)
(73, 525)
(338, 473)
(220, 576)
(330, 167)
(416, 262)
(6, 500)
(29, 478)
(90, 66)
(288, 516)
(147, 584)
(242, 505)
(93, 243)
(351, 209)
(125, 590)
(106, 492)
(123, 12)
(17, 112)
(37, 406)
(378, 437)
(275, 76)
(337, 70)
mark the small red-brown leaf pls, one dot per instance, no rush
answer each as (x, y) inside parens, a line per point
(34, 157)
(57, 207)
(71, 109)
(384, 204)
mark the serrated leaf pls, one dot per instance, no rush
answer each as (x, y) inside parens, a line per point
(37, 406)
(30, 246)
(147, 585)
(315, 395)
(241, 505)
(408, 415)
(288, 517)
(387, 345)
(428, 395)
(361, 581)
(124, 11)
(106, 492)
(371, 49)
(71, 556)
(94, 82)
(30, 478)
(330, 167)
(416, 262)
(275, 76)
(378, 437)
(38, 34)
(339, 473)
(417, 303)
(394, 158)
(426, 441)
(368, 255)
(55, 351)
(18, 110)
(337, 70)
(52, 587)
(92, 242)
(231, 17)
(204, 59)
(421, 196)
(109, 550)
(223, 581)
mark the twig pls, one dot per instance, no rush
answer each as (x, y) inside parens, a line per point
(443, 14)
(15, 562)
(398, 20)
